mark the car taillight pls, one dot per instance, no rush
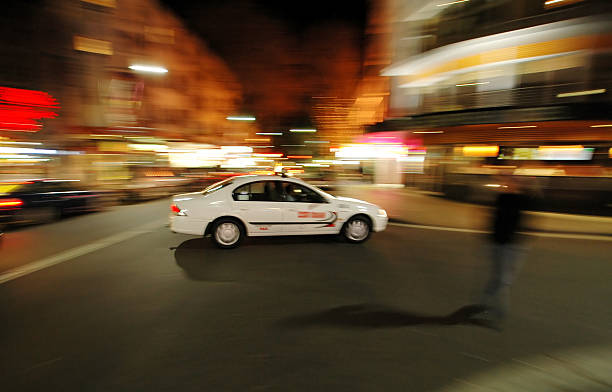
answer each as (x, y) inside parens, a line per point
(174, 208)
(10, 203)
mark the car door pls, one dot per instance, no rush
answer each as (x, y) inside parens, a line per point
(256, 204)
(305, 211)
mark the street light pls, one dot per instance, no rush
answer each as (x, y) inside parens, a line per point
(240, 118)
(147, 68)
(303, 130)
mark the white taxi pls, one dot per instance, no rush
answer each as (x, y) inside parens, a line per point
(270, 206)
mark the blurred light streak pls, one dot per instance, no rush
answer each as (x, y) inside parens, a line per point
(299, 156)
(513, 47)
(303, 130)
(480, 151)
(91, 45)
(23, 143)
(346, 162)
(565, 153)
(236, 149)
(472, 84)
(22, 97)
(257, 140)
(371, 151)
(293, 145)
(268, 155)
(270, 133)
(518, 127)
(148, 147)
(559, 3)
(427, 131)
(147, 68)
(316, 141)
(409, 38)
(574, 147)
(240, 118)
(10, 203)
(601, 126)
(239, 163)
(103, 3)
(117, 136)
(20, 109)
(581, 93)
(17, 150)
(451, 3)
(419, 158)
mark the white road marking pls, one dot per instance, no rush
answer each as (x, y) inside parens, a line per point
(73, 253)
(593, 237)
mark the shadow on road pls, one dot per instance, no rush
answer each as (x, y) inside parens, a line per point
(377, 316)
(201, 260)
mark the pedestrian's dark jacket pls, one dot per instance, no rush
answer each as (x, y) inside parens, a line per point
(508, 216)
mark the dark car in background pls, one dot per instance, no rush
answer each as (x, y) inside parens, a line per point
(45, 200)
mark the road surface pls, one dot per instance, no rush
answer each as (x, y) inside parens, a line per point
(114, 301)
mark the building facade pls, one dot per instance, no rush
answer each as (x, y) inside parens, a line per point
(119, 70)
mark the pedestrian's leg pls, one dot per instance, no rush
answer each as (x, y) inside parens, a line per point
(494, 283)
(508, 270)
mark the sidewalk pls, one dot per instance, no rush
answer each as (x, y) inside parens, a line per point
(409, 205)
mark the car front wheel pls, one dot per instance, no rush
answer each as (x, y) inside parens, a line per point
(227, 233)
(357, 229)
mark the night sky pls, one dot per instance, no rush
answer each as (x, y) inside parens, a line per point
(282, 52)
(297, 14)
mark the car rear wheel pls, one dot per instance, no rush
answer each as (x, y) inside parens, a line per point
(227, 233)
(357, 229)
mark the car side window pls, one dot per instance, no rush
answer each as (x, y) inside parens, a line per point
(242, 193)
(259, 191)
(301, 194)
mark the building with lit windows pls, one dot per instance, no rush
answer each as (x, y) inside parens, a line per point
(124, 73)
(527, 82)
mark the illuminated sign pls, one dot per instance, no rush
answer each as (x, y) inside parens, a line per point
(20, 110)
(480, 151)
(91, 45)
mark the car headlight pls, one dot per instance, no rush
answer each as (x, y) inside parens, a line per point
(382, 212)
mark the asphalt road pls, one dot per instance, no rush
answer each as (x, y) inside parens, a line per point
(119, 303)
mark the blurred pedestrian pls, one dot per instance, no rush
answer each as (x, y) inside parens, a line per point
(506, 249)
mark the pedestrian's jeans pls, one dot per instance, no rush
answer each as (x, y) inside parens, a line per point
(505, 260)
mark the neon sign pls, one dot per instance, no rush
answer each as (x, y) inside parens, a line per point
(21, 110)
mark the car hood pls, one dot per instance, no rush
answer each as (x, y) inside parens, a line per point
(353, 201)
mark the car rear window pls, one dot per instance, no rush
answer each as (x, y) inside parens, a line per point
(217, 185)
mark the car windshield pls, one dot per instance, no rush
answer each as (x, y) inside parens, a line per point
(217, 185)
(322, 192)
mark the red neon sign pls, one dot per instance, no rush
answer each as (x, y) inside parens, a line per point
(20, 110)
